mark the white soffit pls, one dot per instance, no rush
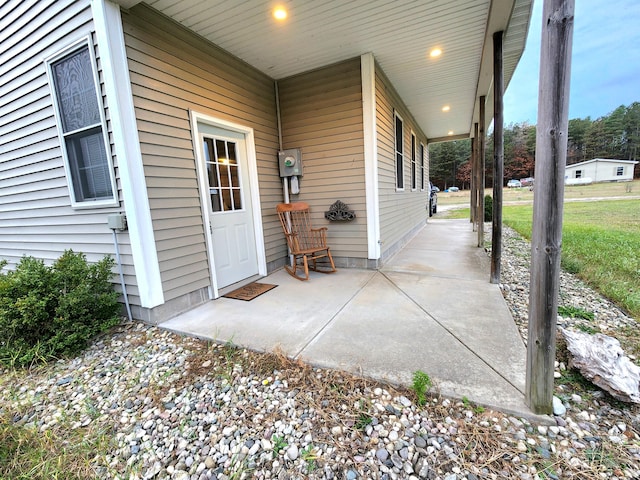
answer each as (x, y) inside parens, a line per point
(399, 33)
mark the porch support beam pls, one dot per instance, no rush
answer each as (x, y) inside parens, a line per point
(473, 198)
(481, 145)
(476, 205)
(498, 157)
(546, 238)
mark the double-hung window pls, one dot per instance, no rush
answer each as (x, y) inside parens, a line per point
(81, 125)
(413, 162)
(399, 147)
(421, 157)
(619, 171)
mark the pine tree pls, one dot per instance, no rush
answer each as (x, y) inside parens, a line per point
(631, 124)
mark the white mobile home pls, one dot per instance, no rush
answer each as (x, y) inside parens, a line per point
(601, 170)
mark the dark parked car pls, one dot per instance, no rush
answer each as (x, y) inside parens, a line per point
(433, 199)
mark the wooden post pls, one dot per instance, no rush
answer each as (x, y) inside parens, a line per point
(472, 185)
(546, 239)
(478, 215)
(498, 158)
(473, 204)
(481, 145)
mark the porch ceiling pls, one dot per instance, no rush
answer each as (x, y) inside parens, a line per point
(399, 33)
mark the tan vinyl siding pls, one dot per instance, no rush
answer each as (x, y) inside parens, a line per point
(400, 211)
(36, 217)
(172, 72)
(322, 115)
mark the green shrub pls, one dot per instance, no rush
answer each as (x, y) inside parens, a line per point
(488, 208)
(50, 311)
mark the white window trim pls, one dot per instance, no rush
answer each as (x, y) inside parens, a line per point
(414, 162)
(76, 46)
(395, 151)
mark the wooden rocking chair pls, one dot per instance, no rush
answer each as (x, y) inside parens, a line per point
(305, 243)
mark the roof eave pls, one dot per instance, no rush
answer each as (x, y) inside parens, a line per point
(515, 23)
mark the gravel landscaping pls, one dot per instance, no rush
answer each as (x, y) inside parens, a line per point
(165, 406)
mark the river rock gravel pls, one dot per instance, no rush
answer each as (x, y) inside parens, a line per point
(180, 408)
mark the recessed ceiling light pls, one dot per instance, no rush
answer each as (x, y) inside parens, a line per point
(450, 132)
(436, 52)
(446, 108)
(279, 13)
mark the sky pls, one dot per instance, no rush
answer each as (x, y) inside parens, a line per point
(605, 63)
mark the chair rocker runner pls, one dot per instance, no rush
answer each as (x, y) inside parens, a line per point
(305, 242)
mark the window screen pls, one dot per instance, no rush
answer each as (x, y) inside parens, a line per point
(76, 91)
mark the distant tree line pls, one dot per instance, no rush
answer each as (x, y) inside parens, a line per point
(616, 135)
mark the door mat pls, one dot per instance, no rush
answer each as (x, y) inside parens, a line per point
(251, 291)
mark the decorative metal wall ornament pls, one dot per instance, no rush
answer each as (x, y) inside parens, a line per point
(339, 211)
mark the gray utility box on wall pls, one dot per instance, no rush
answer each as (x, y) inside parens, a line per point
(290, 162)
(117, 221)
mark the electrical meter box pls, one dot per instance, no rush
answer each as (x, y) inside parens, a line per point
(290, 162)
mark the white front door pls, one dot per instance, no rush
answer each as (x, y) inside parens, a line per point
(233, 239)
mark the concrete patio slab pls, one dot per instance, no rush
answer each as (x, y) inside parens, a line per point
(445, 248)
(396, 338)
(430, 308)
(472, 312)
(287, 317)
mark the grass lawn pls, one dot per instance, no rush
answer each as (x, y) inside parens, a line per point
(609, 189)
(600, 243)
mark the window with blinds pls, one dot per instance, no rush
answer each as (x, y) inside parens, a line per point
(399, 150)
(422, 175)
(413, 162)
(82, 127)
